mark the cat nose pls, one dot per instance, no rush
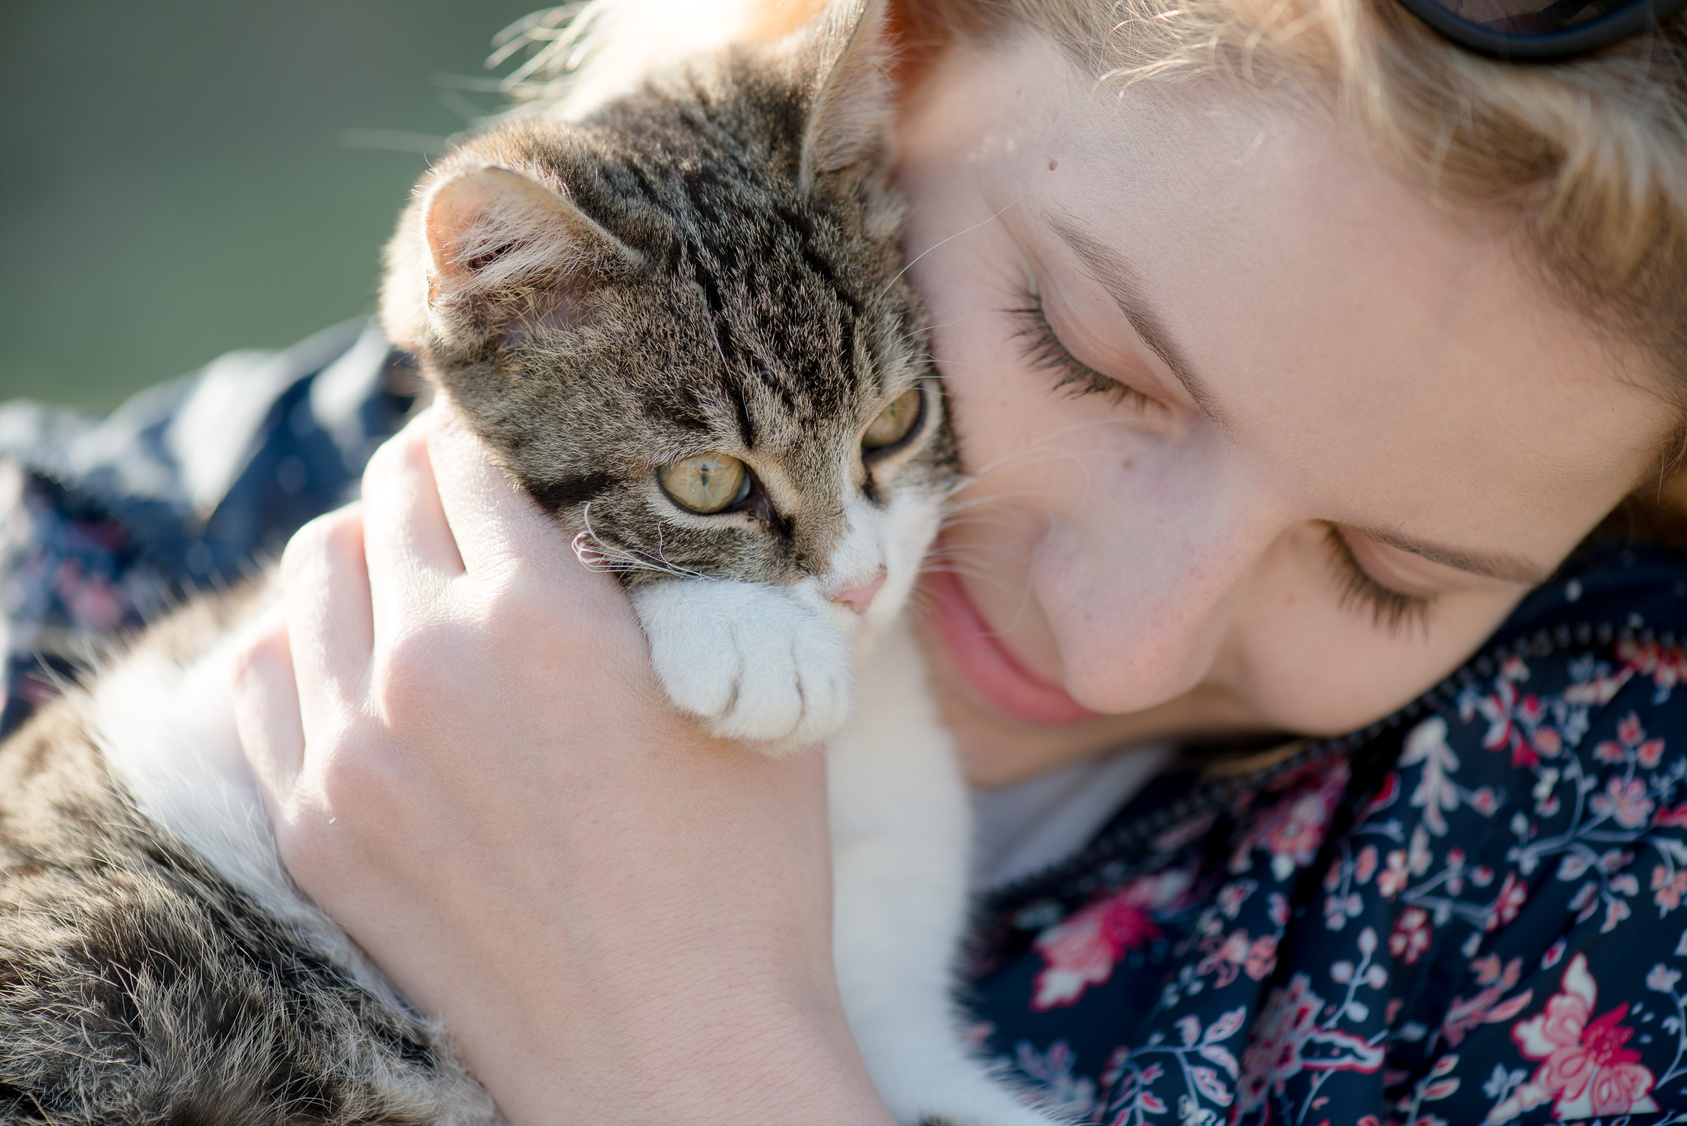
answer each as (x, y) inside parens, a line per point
(858, 598)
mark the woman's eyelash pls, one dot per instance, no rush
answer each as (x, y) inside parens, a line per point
(1389, 608)
(1046, 353)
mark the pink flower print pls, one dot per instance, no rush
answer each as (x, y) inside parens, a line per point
(1292, 830)
(1274, 1055)
(1604, 688)
(1236, 952)
(1411, 936)
(1668, 816)
(1513, 894)
(1455, 871)
(1366, 865)
(1082, 950)
(1287, 1027)
(1395, 875)
(1668, 888)
(1626, 801)
(1405, 863)
(1666, 666)
(1232, 895)
(1490, 1005)
(1631, 737)
(1507, 714)
(1385, 795)
(1585, 1070)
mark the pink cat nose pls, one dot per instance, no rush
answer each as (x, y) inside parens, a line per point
(858, 598)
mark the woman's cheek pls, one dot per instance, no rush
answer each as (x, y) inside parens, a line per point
(1306, 663)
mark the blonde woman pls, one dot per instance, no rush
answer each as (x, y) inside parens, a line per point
(1320, 377)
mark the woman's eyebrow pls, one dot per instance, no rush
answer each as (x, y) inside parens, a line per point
(1502, 565)
(1124, 284)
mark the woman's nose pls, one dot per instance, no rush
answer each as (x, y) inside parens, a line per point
(1150, 626)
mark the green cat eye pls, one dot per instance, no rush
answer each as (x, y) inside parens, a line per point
(705, 484)
(894, 422)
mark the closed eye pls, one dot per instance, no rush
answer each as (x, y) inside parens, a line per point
(1076, 378)
(1390, 609)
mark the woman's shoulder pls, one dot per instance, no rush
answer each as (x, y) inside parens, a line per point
(106, 520)
(1467, 912)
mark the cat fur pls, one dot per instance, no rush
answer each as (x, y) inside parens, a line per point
(708, 264)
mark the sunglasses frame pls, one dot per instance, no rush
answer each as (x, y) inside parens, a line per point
(1630, 19)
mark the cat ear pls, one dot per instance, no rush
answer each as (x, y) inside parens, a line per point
(846, 144)
(503, 247)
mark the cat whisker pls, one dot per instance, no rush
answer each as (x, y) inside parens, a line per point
(597, 554)
(959, 502)
(955, 561)
(951, 238)
(1042, 447)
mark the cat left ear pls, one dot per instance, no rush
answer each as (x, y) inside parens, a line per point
(846, 145)
(502, 246)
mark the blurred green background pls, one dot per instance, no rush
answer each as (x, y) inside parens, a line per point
(182, 177)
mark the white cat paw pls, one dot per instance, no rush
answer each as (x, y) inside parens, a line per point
(748, 660)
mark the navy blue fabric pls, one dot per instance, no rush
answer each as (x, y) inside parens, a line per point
(106, 521)
(1464, 913)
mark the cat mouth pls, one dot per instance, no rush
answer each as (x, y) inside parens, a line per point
(980, 656)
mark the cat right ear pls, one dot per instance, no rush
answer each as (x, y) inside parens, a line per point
(846, 143)
(504, 249)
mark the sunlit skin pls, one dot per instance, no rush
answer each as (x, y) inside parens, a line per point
(1352, 358)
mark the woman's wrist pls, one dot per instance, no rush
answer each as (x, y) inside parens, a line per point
(758, 1062)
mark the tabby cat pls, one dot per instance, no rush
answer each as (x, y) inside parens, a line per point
(680, 324)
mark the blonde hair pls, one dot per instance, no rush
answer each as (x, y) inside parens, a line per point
(1586, 159)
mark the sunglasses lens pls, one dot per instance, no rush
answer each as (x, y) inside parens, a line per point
(1531, 17)
(1542, 30)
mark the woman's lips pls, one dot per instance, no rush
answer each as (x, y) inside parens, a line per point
(992, 670)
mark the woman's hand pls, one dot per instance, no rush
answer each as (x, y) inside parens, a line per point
(469, 765)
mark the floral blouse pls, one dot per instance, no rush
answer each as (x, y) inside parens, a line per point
(1463, 914)
(1459, 915)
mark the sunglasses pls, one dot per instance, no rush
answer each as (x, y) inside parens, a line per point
(1540, 30)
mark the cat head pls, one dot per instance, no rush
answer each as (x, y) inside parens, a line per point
(680, 323)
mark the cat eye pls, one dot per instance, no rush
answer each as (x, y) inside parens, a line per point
(705, 484)
(894, 423)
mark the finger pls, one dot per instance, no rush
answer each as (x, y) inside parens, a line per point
(408, 545)
(266, 708)
(404, 525)
(330, 622)
(493, 521)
